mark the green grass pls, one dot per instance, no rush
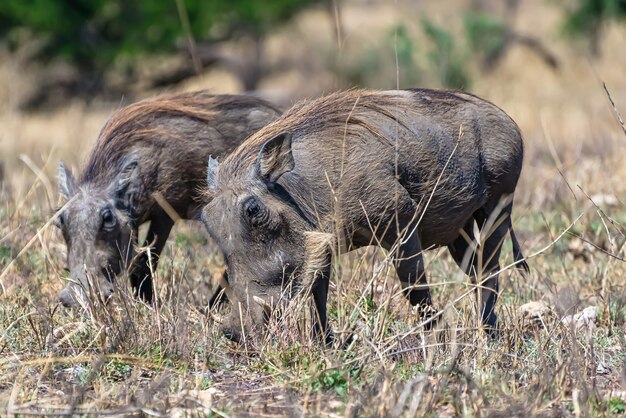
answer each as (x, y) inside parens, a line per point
(171, 356)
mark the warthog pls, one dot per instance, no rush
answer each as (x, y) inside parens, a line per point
(407, 170)
(148, 165)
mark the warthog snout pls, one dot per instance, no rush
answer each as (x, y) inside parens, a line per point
(245, 322)
(75, 295)
(68, 297)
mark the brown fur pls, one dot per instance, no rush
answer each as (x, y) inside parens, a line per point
(136, 122)
(212, 128)
(154, 148)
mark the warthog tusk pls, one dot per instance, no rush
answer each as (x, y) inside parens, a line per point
(266, 306)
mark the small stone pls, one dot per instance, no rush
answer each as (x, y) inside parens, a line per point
(536, 310)
(586, 319)
(605, 199)
(579, 249)
(602, 369)
(205, 397)
(534, 315)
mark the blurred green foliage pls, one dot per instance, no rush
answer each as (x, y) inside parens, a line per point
(406, 54)
(446, 60)
(93, 34)
(101, 35)
(588, 15)
(486, 35)
(400, 59)
(394, 60)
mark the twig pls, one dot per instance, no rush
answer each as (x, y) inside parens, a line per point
(12, 324)
(619, 117)
(597, 247)
(184, 20)
(40, 175)
(29, 243)
(508, 267)
(55, 412)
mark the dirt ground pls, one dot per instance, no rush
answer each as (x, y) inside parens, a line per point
(170, 359)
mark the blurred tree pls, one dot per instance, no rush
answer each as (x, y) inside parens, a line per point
(96, 35)
(588, 16)
(490, 38)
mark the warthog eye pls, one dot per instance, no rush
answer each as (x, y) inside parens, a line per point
(255, 211)
(108, 219)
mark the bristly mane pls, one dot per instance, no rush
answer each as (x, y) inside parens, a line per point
(340, 111)
(137, 122)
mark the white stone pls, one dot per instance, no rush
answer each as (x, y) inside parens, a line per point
(586, 319)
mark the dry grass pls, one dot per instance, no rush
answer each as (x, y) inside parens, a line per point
(169, 359)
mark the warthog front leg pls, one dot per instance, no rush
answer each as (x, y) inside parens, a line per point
(320, 296)
(316, 277)
(141, 276)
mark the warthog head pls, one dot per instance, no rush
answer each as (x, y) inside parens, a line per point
(96, 222)
(261, 233)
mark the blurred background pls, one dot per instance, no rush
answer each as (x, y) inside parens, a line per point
(66, 65)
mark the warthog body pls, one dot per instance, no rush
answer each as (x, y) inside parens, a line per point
(148, 153)
(408, 170)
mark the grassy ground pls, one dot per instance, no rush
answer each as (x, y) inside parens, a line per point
(169, 359)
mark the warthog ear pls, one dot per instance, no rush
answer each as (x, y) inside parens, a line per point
(275, 158)
(66, 182)
(126, 186)
(211, 173)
